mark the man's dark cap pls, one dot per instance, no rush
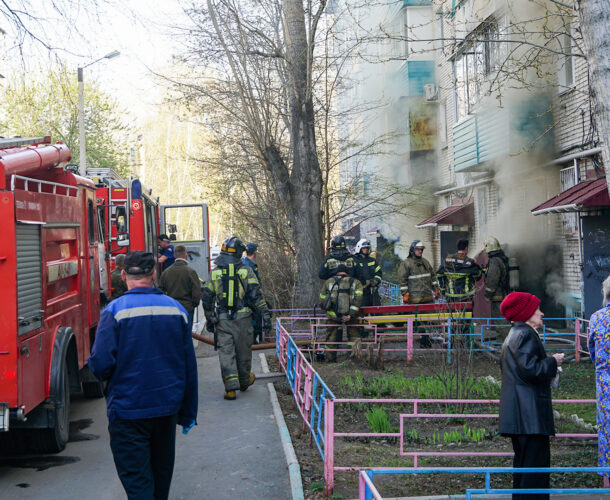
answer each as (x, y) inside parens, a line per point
(164, 237)
(138, 262)
(251, 248)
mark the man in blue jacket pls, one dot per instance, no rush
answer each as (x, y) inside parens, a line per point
(143, 349)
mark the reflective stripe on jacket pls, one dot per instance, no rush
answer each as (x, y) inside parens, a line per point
(341, 296)
(416, 277)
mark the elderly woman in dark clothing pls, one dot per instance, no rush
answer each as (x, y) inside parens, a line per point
(526, 413)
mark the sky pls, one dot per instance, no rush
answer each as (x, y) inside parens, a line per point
(141, 32)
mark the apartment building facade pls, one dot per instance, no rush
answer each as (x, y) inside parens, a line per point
(514, 153)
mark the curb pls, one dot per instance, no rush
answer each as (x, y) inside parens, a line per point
(294, 469)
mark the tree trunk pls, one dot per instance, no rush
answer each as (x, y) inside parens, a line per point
(594, 17)
(305, 178)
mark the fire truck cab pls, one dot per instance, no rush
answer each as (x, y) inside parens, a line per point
(132, 220)
(50, 275)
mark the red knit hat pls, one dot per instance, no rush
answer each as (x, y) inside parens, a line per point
(519, 306)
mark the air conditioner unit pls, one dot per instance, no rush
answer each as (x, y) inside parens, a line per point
(430, 92)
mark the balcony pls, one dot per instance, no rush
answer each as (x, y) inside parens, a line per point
(492, 134)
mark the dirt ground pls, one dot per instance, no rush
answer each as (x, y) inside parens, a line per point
(426, 434)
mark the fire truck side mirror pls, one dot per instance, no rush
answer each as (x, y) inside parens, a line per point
(122, 240)
(172, 237)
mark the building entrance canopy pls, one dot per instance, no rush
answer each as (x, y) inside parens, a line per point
(455, 214)
(586, 194)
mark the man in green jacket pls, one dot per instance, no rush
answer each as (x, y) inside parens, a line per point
(119, 287)
(181, 282)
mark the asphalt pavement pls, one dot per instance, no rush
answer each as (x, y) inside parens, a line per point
(235, 451)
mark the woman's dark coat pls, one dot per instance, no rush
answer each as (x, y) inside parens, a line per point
(525, 399)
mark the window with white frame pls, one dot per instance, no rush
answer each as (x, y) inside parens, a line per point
(565, 62)
(481, 54)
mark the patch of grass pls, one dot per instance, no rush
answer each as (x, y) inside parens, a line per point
(378, 420)
(441, 386)
(316, 486)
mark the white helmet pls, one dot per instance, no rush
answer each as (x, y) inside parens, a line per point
(363, 243)
(492, 244)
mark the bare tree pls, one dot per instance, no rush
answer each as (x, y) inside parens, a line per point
(594, 16)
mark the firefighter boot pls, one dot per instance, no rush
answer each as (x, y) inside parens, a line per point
(243, 388)
(230, 395)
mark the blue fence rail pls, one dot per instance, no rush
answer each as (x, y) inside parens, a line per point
(368, 491)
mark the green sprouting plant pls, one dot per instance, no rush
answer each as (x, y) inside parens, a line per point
(316, 486)
(412, 435)
(378, 420)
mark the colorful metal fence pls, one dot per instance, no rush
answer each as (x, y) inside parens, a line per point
(368, 491)
(316, 402)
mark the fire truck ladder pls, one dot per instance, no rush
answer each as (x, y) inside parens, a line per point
(15, 142)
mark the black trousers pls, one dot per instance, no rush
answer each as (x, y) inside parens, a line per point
(143, 452)
(531, 450)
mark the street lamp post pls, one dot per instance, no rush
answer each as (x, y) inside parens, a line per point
(81, 112)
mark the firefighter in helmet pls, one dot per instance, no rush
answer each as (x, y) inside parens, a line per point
(229, 298)
(341, 298)
(339, 254)
(458, 274)
(496, 277)
(417, 281)
(368, 271)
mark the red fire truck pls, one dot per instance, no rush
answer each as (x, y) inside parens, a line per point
(49, 270)
(132, 220)
(60, 234)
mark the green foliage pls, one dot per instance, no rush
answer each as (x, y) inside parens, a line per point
(378, 420)
(316, 486)
(49, 106)
(422, 387)
(466, 434)
(413, 435)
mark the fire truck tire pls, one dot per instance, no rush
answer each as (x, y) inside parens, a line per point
(54, 439)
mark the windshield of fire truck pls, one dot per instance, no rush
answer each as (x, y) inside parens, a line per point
(185, 222)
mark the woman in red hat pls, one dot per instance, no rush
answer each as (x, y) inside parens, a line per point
(526, 412)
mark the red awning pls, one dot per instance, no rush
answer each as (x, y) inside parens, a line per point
(455, 214)
(586, 194)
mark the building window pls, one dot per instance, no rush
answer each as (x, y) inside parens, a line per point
(568, 179)
(481, 55)
(565, 70)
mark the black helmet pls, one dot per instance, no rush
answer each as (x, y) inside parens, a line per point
(337, 243)
(233, 246)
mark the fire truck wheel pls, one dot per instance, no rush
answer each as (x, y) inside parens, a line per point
(54, 439)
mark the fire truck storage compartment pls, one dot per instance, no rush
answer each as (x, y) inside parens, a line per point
(29, 278)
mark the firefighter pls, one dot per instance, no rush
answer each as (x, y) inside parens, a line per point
(341, 298)
(250, 260)
(229, 298)
(368, 271)
(417, 281)
(339, 254)
(458, 274)
(119, 287)
(496, 278)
